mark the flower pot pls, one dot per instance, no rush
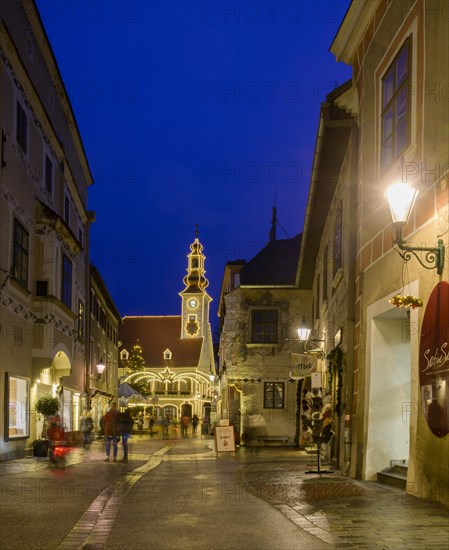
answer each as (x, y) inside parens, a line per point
(40, 447)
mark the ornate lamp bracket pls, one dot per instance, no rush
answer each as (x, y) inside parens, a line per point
(433, 258)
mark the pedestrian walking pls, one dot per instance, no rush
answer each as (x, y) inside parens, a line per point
(140, 422)
(151, 424)
(165, 426)
(185, 421)
(110, 429)
(125, 423)
(86, 427)
(195, 421)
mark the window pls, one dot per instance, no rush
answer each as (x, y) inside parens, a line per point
(396, 107)
(124, 355)
(264, 326)
(337, 240)
(66, 209)
(41, 288)
(273, 395)
(66, 293)
(48, 175)
(167, 354)
(81, 320)
(325, 255)
(18, 406)
(21, 128)
(20, 254)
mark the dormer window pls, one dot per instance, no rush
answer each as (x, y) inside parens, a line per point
(167, 355)
(124, 355)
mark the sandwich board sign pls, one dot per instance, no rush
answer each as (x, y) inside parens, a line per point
(224, 439)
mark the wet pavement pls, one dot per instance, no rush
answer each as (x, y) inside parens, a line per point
(328, 511)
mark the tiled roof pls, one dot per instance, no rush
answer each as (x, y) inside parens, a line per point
(155, 335)
(275, 264)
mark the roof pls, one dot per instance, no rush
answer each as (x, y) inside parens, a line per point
(334, 131)
(274, 265)
(155, 335)
(95, 274)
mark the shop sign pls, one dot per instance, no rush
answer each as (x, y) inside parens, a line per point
(434, 360)
(301, 365)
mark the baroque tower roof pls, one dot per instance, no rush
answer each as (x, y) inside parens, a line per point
(195, 280)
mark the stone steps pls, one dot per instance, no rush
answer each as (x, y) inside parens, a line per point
(395, 475)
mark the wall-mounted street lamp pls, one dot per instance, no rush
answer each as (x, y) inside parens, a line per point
(100, 368)
(303, 333)
(401, 199)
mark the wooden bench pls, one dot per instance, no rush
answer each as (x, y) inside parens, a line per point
(283, 439)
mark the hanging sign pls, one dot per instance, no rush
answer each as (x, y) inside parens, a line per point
(434, 360)
(301, 365)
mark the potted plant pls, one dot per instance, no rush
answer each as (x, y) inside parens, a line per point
(46, 405)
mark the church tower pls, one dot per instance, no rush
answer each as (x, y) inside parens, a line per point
(195, 299)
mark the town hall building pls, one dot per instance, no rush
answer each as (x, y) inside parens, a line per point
(178, 367)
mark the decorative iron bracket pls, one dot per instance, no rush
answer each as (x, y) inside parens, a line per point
(434, 257)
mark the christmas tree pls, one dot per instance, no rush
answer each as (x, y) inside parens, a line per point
(136, 362)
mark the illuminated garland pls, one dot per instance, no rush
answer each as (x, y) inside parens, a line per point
(407, 301)
(335, 359)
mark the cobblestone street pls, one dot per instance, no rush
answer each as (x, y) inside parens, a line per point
(334, 511)
(347, 513)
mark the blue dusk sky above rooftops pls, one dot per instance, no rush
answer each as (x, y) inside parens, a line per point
(192, 112)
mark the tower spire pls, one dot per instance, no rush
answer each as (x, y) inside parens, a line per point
(272, 235)
(195, 300)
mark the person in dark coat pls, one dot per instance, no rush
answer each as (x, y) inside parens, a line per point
(110, 429)
(195, 421)
(125, 423)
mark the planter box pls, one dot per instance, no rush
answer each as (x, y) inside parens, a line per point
(40, 448)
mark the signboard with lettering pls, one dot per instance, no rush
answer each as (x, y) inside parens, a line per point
(224, 439)
(301, 365)
(434, 360)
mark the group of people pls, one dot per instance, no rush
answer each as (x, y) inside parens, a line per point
(185, 423)
(142, 420)
(116, 425)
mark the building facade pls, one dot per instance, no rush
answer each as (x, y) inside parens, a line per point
(327, 260)
(260, 310)
(104, 320)
(176, 363)
(399, 52)
(44, 228)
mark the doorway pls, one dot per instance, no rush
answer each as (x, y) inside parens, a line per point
(388, 399)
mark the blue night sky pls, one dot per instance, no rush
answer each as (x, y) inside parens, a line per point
(192, 112)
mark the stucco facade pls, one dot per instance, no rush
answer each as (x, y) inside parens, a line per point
(377, 38)
(327, 259)
(44, 227)
(260, 311)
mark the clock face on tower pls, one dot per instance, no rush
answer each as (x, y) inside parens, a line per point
(193, 303)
